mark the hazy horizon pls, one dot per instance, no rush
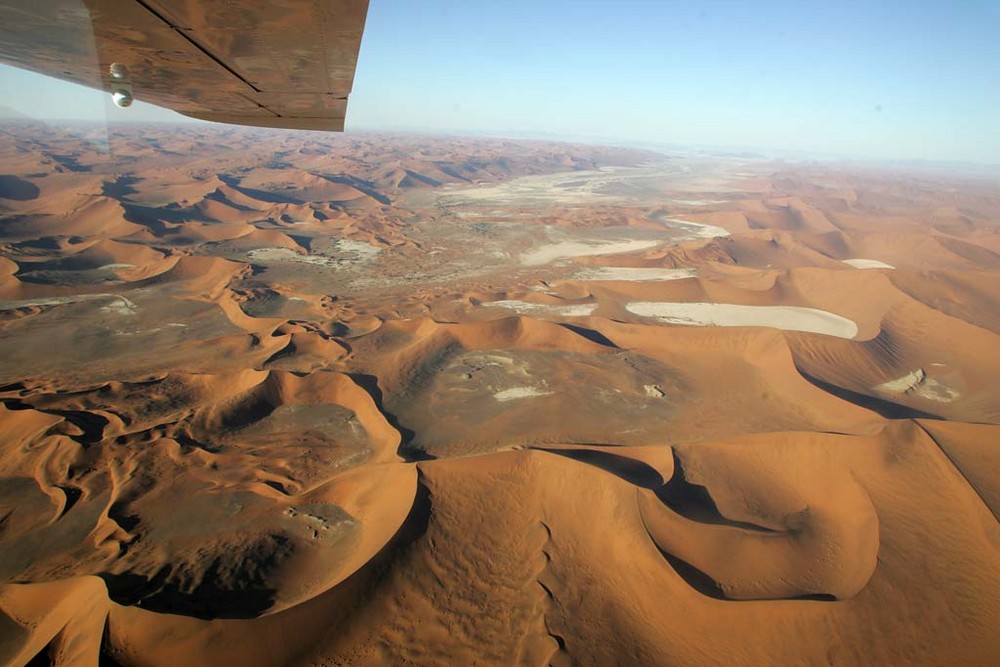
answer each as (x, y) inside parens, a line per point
(898, 82)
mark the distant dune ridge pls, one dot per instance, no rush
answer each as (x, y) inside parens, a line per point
(290, 399)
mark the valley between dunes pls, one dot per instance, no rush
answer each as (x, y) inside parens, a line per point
(278, 398)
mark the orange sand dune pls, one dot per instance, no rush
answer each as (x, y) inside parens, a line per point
(202, 276)
(937, 291)
(88, 216)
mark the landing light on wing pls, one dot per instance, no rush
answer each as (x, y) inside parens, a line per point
(121, 85)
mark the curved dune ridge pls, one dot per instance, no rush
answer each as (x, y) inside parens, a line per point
(295, 398)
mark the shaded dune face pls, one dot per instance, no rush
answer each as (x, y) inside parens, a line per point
(17, 189)
(301, 399)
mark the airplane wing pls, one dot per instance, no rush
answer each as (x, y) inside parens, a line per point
(270, 63)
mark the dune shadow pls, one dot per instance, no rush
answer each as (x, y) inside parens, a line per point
(248, 596)
(17, 189)
(40, 243)
(885, 408)
(631, 470)
(694, 502)
(217, 593)
(120, 187)
(216, 197)
(694, 577)
(91, 425)
(152, 218)
(259, 195)
(359, 185)
(592, 335)
(406, 450)
(708, 587)
(68, 161)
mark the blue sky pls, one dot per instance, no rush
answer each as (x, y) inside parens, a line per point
(880, 80)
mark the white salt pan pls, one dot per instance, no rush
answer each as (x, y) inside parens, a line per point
(868, 264)
(792, 318)
(566, 249)
(633, 274)
(525, 308)
(519, 392)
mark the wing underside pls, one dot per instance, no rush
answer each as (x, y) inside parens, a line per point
(271, 63)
